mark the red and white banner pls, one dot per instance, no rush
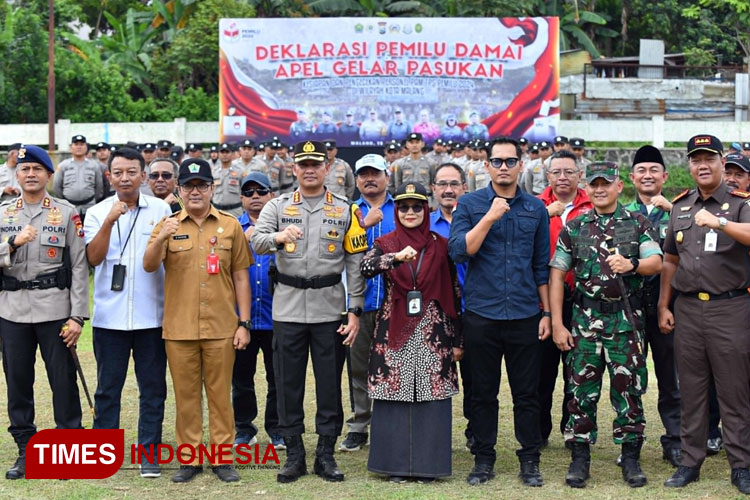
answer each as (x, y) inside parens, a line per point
(364, 81)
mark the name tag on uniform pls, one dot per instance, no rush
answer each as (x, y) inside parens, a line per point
(180, 236)
(710, 243)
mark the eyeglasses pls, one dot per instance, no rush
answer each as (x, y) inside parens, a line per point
(445, 184)
(562, 173)
(404, 209)
(498, 162)
(250, 192)
(188, 188)
(164, 175)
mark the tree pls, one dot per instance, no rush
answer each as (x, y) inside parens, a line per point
(130, 47)
(23, 66)
(191, 60)
(738, 19)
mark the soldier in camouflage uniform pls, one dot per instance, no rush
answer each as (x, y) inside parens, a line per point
(603, 334)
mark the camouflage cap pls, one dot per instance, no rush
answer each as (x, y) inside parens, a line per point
(604, 169)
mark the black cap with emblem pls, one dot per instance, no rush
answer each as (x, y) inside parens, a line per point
(411, 190)
(194, 168)
(704, 143)
(309, 150)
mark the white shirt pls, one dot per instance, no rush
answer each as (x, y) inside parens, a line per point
(140, 304)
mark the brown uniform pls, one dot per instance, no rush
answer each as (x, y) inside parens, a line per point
(711, 313)
(200, 322)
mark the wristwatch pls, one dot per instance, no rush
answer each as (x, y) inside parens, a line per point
(722, 223)
(357, 311)
(635, 262)
(12, 243)
(247, 324)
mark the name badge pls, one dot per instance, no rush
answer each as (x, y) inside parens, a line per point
(414, 303)
(710, 243)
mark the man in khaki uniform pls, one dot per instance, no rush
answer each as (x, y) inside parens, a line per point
(534, 178)
(247, 155)
(227, 177)
(413, 168)
(9, 188)
(205, 258)
(79, 179)
(340, 178)
(478, 177)
(316, 235)
(44, 299)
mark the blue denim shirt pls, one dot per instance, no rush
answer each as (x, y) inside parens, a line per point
(375, 287)
(261, 296)
(441, 226)
(503, 276)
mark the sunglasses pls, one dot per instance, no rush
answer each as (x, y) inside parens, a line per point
(404, 209)
(250, 192)
(498, 162)
(188, 188)
(164, 175)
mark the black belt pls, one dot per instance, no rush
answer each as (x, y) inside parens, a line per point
(81, 202)
(304, 283)
(231, 206)
(41, 282)
(605, 307)
(705, 296)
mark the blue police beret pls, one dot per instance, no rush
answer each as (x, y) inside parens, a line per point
(35, 154)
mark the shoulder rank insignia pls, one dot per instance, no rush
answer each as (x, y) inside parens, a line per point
(296, 197)
(46, 203)
(741, 194)
(329, 198)
(681, 195)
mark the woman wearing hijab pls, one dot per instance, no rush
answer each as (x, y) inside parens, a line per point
(412, 370)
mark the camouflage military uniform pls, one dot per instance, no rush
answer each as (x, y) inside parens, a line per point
(605, 338)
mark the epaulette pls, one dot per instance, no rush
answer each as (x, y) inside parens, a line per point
(741, 194)
(681, 195)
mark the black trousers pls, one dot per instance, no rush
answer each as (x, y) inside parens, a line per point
(551, 357)
(19, 355)
(662, 352)
(487, 342)
(291, 344)
(244, 399)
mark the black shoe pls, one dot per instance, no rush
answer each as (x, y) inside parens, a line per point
(714, 446)
(672, 455)
(186, 473)
(325, 465)
(530, 475)
(226, 473)
(580, 465)
(397, 479)
(425, 480)
(295, 466)
(683, 476)
(741, 479)
(480, 474)
(354, 441)
(18, 471)
(631, 468)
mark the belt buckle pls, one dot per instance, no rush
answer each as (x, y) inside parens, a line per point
(704, 296)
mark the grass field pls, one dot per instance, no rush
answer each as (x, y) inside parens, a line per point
(606, 479)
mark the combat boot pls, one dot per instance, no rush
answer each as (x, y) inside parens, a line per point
(631, 469)
(18, 471)
(580, 464)
(295, 466)
(325, 465)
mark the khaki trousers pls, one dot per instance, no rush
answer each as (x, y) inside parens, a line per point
(194, 364)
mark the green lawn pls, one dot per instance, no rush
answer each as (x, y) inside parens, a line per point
(606, 480)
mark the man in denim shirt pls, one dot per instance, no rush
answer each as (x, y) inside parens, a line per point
(377, 209)
(503, 234)
(256, 192)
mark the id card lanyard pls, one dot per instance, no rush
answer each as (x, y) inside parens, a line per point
(414, 296)
(119, 270)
